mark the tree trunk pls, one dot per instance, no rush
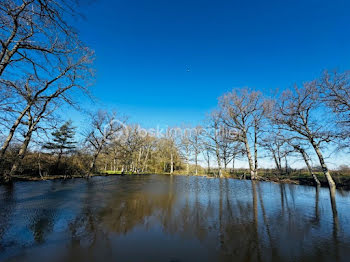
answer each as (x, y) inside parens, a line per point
(39, 166)
(233, 163)
(11, 133)
(21, 152)
(59, 156)
(218, 160)
(250, 158)
(225, 164)
(332, 193)
(278, 164)
(187, 167)
(144, 167)
(305, 157)
(208, 162)
(139, 161)
(286, 167)
(196, 162)
(93, 163)
(255, 152)
(171, 163)
(323, 165)
(224, 157)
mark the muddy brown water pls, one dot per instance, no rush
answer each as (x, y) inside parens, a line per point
(161, 218)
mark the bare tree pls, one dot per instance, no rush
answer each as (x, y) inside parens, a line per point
(213, 138)
(237, 151)
(171, 142)
(226, 153)
(42, 62)
(31, 29)
(242, 114)
(149, 147)
(41, 94)
(274, 143)
(186, 150)
(334, 90)
(104, 128)
(280, 146)
(132, 146)
(297, 113)
(195, 140)
(33, 117)
(298, 148)
(207, 152)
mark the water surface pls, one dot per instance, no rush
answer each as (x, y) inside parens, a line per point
(161, 218)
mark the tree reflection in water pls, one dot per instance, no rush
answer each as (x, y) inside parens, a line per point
(175, 218)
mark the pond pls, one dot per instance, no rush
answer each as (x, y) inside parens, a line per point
(179, 218)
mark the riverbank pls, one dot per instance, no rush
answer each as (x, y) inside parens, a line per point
(342, 181)
(56, 177)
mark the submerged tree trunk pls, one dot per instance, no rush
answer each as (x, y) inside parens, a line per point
(255, 152)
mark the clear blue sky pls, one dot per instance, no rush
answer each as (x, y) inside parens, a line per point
(144, 49)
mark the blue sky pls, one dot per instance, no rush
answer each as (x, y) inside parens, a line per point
(166, 62)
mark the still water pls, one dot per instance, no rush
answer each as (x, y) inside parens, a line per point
(160, 218)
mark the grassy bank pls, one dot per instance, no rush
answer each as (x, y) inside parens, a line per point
(342, 180)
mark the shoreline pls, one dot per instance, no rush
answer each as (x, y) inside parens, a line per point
(295, 180)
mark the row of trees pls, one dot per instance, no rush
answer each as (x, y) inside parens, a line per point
(306, 122)
(44, 66)
(127, 148)
(312, 118)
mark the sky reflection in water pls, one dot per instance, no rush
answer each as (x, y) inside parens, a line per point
(160, 218)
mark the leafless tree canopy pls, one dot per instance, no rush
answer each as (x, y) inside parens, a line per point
(243, 112)
(42, 62)
(334, 89)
